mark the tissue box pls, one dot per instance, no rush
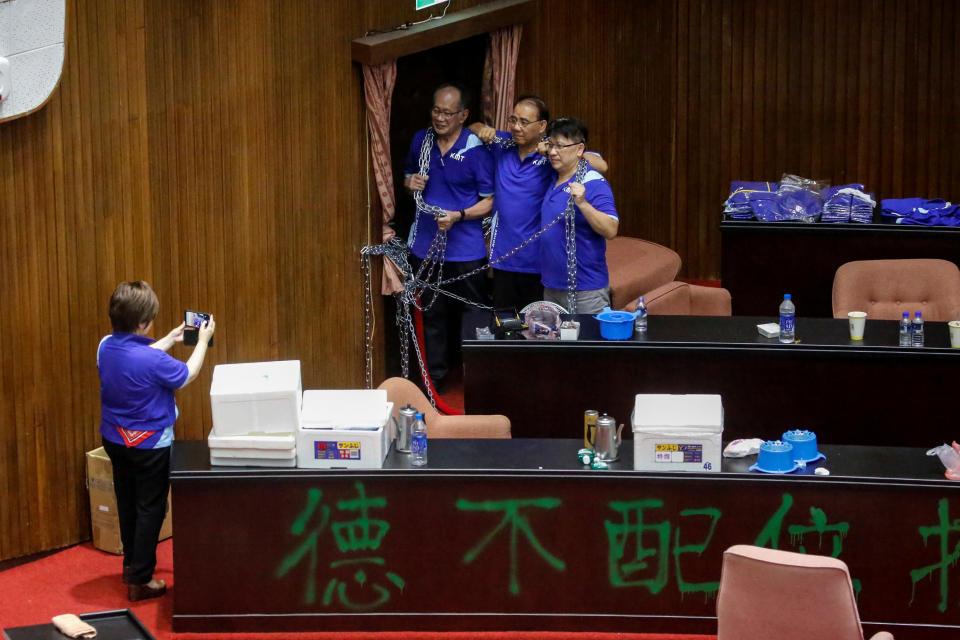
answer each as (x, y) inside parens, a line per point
(344, 429)
(677, 432)
(256, 397)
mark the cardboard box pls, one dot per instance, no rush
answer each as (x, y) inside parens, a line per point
(256, 397)
(677, 432)
(103, 505)
(349, 429)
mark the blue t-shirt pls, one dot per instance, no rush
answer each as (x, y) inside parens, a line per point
(591, 246)
(518, 193)
(136, 390)
(458, 179)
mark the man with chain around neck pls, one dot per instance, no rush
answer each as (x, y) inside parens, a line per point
(450, 173)
(595, 221)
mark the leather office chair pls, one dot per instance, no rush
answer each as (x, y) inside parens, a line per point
(682, 299)
(768, 593)
(401, 392)
(887, 288)
(637, 266)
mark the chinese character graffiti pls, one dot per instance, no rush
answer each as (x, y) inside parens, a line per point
(351, 585)
(948, 556)
(517, 523)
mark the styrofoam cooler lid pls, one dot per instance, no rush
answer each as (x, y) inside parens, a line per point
(282, 441)
(261, 378)
(678, 412)
(344, 408)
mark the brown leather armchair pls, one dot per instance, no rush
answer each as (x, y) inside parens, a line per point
(887, 288)
(401, 392)
(682, 299)
(768, 593)
(637, 266)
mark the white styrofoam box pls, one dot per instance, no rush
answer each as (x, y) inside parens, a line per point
(677, 432)
(344, 429)
(253, 397)
(251, 462)
(263, 454)
(259, 441)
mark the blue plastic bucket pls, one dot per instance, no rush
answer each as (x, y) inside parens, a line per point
(616, 325)
(775, 456)
(804, 445)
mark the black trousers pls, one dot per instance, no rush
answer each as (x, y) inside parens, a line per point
(513, 289)
(442, 321)
(141, 479)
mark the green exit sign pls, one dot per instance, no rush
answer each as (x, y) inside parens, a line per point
(424, 4)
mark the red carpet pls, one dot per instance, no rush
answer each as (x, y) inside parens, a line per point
(82, 579)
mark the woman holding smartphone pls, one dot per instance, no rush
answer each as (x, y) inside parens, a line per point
(138, 410)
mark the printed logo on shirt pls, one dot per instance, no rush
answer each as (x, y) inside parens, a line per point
(458, 156)
(133, 438)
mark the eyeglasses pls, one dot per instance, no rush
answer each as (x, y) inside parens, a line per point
(523, 122)
(437, 112)
(559, 147)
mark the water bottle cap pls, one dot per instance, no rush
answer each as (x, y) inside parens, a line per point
(906, 314)
(918, 314)
(641, 299)
(786, 296)
(419, 416)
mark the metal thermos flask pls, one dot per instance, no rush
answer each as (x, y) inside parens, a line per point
(606, 440)
(405, 420)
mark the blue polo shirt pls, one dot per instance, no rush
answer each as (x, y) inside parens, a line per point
(136, 390)
(519, 186)
(459, 179)
(591, 246)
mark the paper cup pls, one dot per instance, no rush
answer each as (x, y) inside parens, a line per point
(858, 319)
(954, 333)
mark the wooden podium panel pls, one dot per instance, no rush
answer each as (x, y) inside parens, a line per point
(517, 535)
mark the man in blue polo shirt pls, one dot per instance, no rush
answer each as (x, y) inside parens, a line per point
(596, 222)
(457, 189)
(523, 175)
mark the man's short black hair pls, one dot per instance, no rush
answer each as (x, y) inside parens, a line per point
(542, 112)
(464, 94)
(570, 128)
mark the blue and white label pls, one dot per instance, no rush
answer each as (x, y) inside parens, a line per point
(418, 444)
(786, 323)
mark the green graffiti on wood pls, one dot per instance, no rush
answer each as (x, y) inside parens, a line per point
(948, 558)
(518, 523)
(708, 588)
(359, 534)
(770, 535)
(623, 570)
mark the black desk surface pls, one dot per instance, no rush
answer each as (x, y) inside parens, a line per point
(191, 459)
(120, 624)
(725, 332)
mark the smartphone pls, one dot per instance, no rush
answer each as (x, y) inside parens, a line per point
(192, 321)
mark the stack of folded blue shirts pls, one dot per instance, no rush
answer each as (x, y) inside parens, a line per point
(920, 211)
(846, 203)
(738, 206)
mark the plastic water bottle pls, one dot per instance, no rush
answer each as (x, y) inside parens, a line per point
(640, 322)
(917, 330)
(906, 330)
(418, 442)
(788, 316)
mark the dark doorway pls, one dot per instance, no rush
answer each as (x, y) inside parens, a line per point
(417, 77)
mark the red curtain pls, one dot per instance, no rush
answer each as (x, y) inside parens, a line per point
(499, 75)
(378, 82)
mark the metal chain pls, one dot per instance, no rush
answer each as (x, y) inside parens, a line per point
(570, 229)
(416, 284)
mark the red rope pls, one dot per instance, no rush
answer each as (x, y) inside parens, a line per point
(441, 405)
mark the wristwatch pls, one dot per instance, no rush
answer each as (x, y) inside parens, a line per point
(463, 215)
